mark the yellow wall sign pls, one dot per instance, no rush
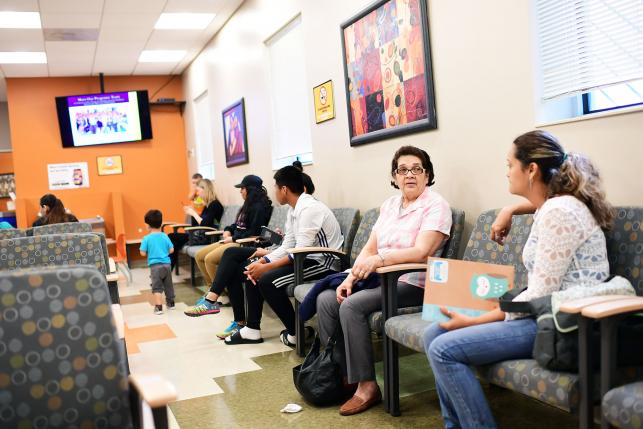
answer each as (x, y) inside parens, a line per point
(324, 102)
(110, 165)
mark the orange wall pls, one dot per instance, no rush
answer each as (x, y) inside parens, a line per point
(6, 162)
(154, 171)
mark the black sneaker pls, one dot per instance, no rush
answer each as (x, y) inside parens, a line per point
(158, 309)
(170, 305)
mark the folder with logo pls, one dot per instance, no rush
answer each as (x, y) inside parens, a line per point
(466, 287)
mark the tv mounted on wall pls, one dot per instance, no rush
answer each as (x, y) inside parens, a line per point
(96, 119)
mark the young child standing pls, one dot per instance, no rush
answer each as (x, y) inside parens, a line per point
(157, 247)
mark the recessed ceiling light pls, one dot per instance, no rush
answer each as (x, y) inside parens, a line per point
(161, 56)
(23, 58)
(184, 21)
(20, 20)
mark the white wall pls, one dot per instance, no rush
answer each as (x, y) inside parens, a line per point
(484, 83)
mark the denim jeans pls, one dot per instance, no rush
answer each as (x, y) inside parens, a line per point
(451, 355)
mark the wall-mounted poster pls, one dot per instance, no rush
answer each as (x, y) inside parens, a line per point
(7, 185)
(234, 134)
(324, 102)
(387, 71)
(68, 176)
(109, 165)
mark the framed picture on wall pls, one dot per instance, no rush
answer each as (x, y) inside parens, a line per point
(234, 134)
(324, 102)
(387, 71)
(7, 185)
(108, 165)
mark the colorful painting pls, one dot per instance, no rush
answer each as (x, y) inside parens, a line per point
(387, 66)
(324, 102)
(234, 134)
(7, 185)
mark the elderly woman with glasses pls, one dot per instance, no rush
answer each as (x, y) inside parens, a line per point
(412, 226)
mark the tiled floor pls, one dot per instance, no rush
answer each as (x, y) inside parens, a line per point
(246, 386)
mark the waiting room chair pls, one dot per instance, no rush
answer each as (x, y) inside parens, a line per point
(12, 233)
(62, 228)
(65, 365)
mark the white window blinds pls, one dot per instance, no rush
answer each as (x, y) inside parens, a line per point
(589, 44)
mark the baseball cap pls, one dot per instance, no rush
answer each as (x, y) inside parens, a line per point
(250, 180)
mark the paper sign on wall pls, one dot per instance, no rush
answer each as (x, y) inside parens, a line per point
(68, 176)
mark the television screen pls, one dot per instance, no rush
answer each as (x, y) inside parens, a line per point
(95, 119)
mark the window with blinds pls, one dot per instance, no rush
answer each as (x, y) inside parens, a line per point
(588, 45)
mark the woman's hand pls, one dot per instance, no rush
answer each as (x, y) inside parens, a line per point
(189, 211)
(227, 239)
(456, 320)
(502, 225)
(366, 266)
(344, 290)
(227, 234)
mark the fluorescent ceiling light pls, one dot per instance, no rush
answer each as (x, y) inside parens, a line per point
(23, 58)
(184, 21)
(20, 20)
(161, 56)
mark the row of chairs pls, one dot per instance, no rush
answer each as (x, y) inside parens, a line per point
(405, 326)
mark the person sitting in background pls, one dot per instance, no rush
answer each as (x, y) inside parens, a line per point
(193, 198)
(254, 214)
(411, 226)
(209, 217)
(158, 248)
(52, 211)
(566, 247)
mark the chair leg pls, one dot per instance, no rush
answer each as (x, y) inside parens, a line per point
(394, 379)
(160, 417)
(113, 292)
(192, 272)
(585, 373)
(300, 332)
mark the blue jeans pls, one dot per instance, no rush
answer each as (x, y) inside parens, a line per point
(451, 353)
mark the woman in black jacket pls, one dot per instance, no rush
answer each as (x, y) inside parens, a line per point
(210, 216)
(254, 214)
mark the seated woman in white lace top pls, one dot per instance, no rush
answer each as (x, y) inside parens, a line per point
(566, 247)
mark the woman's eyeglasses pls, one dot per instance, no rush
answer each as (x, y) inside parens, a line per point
(403, 171)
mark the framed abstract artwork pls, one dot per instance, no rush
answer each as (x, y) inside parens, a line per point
(387, 71)
(234, 134)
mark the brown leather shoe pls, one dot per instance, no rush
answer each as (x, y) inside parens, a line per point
(356, 405)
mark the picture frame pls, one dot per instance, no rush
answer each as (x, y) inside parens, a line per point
(235, 137)
(7, 185)
(109, 165)
(388, 74)
(324, 100)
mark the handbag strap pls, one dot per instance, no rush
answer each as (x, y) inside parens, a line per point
(508, 305)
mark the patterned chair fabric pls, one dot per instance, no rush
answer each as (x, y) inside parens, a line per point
(62, 228)
(278, 217)
(55, 249)
(61, 362)
(363, 232)
(408, 330)
(229, 216)
(481, 248)
(625, 245)
(12, 233)
(348, 219)
(623, 406)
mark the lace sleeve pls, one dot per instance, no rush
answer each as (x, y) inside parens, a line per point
(559, 236)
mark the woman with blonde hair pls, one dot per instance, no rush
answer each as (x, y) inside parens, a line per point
(210, 216)
(566, 248)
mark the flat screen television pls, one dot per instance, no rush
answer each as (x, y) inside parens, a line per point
(96, 119)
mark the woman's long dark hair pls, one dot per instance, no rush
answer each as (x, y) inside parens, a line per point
(56, 212)
(256, 196)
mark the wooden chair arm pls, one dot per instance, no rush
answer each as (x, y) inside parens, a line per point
(613, 308)
(401, 267)
(153, 389)
(111, 277)
(577, 306)
(199, 228)
(309, 250)
(247, 240)
(119, 321)
(217, 232)
(177, 226)
(112, 266)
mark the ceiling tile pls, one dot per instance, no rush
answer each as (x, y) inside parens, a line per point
(14, 39)
(70, 51)
(154, 68)
(70, 7)
(141, 21)
(152, 7)
(70, 69)
(210, 6)
(25, 70)
(19, 5)
(71, 20)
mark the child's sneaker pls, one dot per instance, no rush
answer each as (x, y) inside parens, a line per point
(234, 327)
(158, 309)
(170, 305)
(202, 309)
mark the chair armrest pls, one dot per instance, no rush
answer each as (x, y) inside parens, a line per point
(153, 389)
(247, 240)
(112, 266)
(119, 321)
(311, 250)
(614, 308)
(199, 228)
(177, 226)
(401, 267)
(111, 277)
(217, 232)
(577, 306)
